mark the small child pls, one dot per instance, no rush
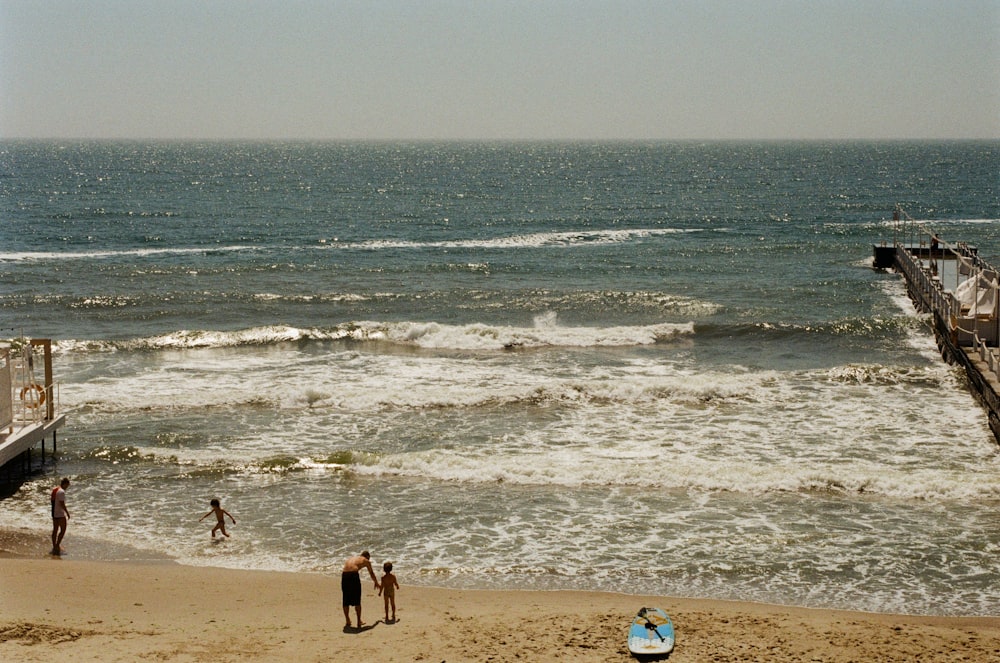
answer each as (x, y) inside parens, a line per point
(220, 516)
(388, 591)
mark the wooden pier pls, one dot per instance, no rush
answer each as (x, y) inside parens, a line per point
(962, 294)
(29, 404)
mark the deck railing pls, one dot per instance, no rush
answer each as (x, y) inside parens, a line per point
(27, 396)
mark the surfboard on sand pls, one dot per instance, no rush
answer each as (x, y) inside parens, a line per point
(651, 633)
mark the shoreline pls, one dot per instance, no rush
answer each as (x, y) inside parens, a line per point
(127, 610)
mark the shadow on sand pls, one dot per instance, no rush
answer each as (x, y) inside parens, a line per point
(359, 629)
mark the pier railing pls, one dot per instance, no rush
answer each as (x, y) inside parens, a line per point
(26, 397)
(970, 308)
(988, 355)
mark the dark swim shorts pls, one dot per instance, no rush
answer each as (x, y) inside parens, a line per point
(350, 584)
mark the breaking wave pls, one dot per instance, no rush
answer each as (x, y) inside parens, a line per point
(431, 335)
(530, 240)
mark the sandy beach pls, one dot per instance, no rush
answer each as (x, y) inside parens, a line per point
(61, 608)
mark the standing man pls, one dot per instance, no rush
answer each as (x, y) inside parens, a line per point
(350, 584)
(60, 515)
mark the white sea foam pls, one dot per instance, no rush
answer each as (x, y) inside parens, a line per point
(491, 337)
(647, 423)
(40, 256)
(532, 240)
(920, 337)
(964, 222)
(433, 335)
(675, 450)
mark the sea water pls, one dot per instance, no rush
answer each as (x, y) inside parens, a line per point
(646, 368)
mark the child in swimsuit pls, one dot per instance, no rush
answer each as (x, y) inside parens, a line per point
(220, 517)
(388, 590)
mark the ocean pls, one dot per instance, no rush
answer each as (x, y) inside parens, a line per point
(656, 368)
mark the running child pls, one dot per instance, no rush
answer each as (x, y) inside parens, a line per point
(220, 516)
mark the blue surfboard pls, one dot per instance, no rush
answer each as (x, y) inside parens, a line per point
(651, 633)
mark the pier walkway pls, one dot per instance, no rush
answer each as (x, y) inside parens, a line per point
(29, 403)
(961, 292)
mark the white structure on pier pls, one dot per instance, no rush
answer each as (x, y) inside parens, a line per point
(29, 398)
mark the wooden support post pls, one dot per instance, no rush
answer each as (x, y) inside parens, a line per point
(46, 345)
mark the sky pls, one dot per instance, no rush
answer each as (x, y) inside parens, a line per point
(500, 70)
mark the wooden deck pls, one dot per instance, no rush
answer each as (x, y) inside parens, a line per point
(14, 444)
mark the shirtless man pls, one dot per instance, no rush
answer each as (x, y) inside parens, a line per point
(350, 584)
